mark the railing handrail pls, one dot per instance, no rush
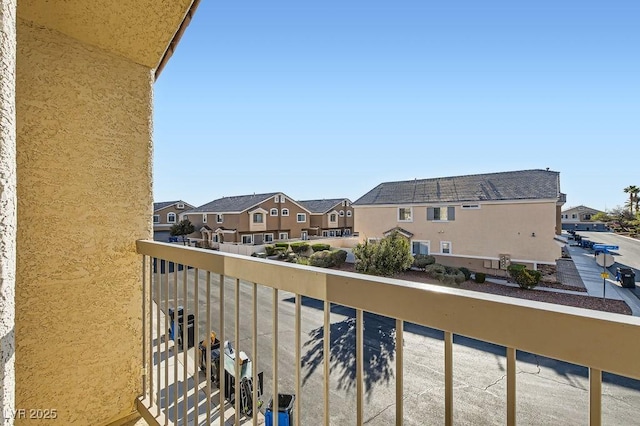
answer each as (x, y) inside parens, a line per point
(600, 340)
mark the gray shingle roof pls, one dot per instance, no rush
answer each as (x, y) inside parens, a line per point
(234, 204)
(517, 185)
(162, 204)
(321, 206)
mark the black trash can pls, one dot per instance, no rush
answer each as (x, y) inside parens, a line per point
(285, 410)
(627, 277)
(176, 324)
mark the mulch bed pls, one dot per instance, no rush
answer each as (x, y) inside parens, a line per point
(579, 301)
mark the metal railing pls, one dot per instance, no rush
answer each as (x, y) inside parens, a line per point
(574, 335)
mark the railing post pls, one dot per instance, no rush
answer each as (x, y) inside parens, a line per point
(276, 399)
(254, 353)
(208, 347)
(448, 378)
(297, 342)
(511, 386)
(165, 355)
(327, 360)
(359, 367)
(595, 397)
(144, 326)
(185, 344)
(157, 285)
(221, 370)
(399, 372)
(237, 358)
(176, 389)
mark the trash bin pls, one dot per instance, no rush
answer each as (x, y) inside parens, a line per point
(176, 324)
(285, 410)
(627, 277)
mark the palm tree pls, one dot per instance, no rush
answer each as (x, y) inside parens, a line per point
(633, 191)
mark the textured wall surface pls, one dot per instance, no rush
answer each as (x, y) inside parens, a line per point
(84, 197)
(139, 30)
(7, 207)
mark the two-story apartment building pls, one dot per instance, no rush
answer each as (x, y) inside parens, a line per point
(330, 217)
(474, 221)
(580, 218)
(165, 215)
(250, 219)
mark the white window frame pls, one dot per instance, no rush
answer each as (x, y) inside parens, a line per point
(285, 212)
(425, 242)
(442, 243)
(574, 216)
(156, 218)
(332, 215)
(267, 240)
(219, 218)
(325, 233)
(180, 206)
(349, 213)
(346, 232)
(273, 212)
(373, 240)
(175, 217)
(282, 199)
(204, 218)
(410, 214)
(276, 199)
(304, 217)
(253, 217)
(242, 237)
(470, 206)
(341, 213)
(283, 236)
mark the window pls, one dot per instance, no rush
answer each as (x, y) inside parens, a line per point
(283, 236)
(344, 203)
(441, 213)
(325, 233)
(348, 213)
(332, 217)
(171, 217)
(573, 216)
(268, 238)
(276, 199)
(419, 247)
(204, 218)
(282, 199)
(587, 217)
(219, 218)
(156, 218)
(258, 218)
(274, 212)
(285, 212)
(445, 247)
(301, 217)
(247, 239)
(341, 213)
(347, 232)
(180, 206)
(373, 240)
(471, 206)
(404, 214)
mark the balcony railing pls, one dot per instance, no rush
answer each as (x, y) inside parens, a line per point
(175, 392)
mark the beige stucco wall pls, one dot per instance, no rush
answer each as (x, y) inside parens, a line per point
(7, 208)
(494, 229)
(84, 197)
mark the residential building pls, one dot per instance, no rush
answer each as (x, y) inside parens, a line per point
(165, 215)
(473, 221)
(580, 218)
(250, 219)
(330, 217)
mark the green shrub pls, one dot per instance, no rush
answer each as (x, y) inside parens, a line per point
(466, 272)
(460, 277)
(436, 271)
(291, 258)
(525, 278)
(302, 260)
(283, 245)
(338, 257)
(445, 274)
(270, 250)
(387, 257)
(480, 277)
(421, 261)
(299, 247)
(320, 247)
(321, 259)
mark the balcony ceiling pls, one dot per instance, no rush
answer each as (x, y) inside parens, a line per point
(139, 30)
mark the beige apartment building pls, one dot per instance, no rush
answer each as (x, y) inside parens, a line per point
(250, 219)
(473, 221)
(330, 217)
(165, 215)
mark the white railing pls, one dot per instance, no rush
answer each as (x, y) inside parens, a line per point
(578, 336)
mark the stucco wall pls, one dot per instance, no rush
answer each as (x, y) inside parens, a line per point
(486, 232)
(84, 197)
(7, 207)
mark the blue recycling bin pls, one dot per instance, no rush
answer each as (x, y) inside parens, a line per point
(285, 410)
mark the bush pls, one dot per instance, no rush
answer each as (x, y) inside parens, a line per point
(525, 278)
(299, 247)
(320, 247)
(466, 272)
(321, 259)
(270, 250)
(421, 261)
(283, 245)
(436, 271)
(387, 257)
(480, 277)
(445, 274)
(338, 257)
(302, 261)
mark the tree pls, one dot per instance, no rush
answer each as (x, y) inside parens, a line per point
(387, 257)
(633, 191)
(182, 229)
(601, 217)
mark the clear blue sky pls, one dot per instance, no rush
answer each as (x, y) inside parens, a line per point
(328, 99)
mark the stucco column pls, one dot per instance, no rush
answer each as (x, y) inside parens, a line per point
(7, 207)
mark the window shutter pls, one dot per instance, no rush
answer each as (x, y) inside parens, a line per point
(451, 213)
(430, 214)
